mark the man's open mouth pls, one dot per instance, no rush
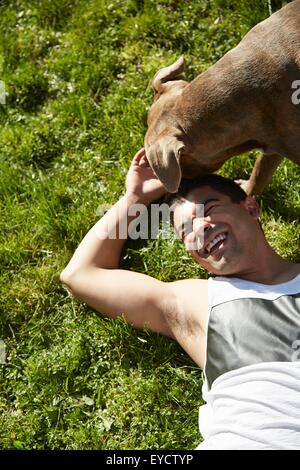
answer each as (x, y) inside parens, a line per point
(214, 244)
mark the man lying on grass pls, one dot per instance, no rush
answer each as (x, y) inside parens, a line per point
(242, 327)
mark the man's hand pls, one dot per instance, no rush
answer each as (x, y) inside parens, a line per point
(141, 181)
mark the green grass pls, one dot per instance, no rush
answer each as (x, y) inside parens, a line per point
(78, 77)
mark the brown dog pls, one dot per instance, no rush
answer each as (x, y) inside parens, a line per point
(247, 100)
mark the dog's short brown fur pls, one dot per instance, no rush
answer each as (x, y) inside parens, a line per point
(242, 102)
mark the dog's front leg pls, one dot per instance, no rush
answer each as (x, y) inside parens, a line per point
(262, 173)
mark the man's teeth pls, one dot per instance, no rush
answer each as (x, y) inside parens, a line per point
(220, 237)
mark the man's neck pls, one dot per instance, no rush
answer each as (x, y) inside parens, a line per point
(271, 269)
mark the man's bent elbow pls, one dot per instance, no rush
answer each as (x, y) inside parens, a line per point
(67, 278)
(75, 282)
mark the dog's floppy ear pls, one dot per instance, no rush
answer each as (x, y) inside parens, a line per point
(163, 157)
(172, 72)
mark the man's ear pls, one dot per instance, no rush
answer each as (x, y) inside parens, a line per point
(252, 207)
(163, 157)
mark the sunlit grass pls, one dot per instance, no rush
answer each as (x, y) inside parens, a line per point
(78, 77)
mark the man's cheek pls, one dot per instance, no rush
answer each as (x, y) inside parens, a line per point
(193, 241)
(190, 241)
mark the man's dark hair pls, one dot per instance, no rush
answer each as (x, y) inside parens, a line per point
(217, 182)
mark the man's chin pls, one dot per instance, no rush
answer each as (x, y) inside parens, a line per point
(224, 262)
(221, 267)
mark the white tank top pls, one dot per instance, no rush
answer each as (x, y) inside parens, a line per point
(252, 367)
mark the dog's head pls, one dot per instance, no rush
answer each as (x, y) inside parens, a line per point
(164, 141)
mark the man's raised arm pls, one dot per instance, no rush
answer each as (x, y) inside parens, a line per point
(92, 274)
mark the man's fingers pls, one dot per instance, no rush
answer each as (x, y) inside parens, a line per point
(138, 156)
(144, 161)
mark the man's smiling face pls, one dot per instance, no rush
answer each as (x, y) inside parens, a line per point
(229, 230)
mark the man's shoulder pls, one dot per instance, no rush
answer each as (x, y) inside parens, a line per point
(195, 287)
(191, 281)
